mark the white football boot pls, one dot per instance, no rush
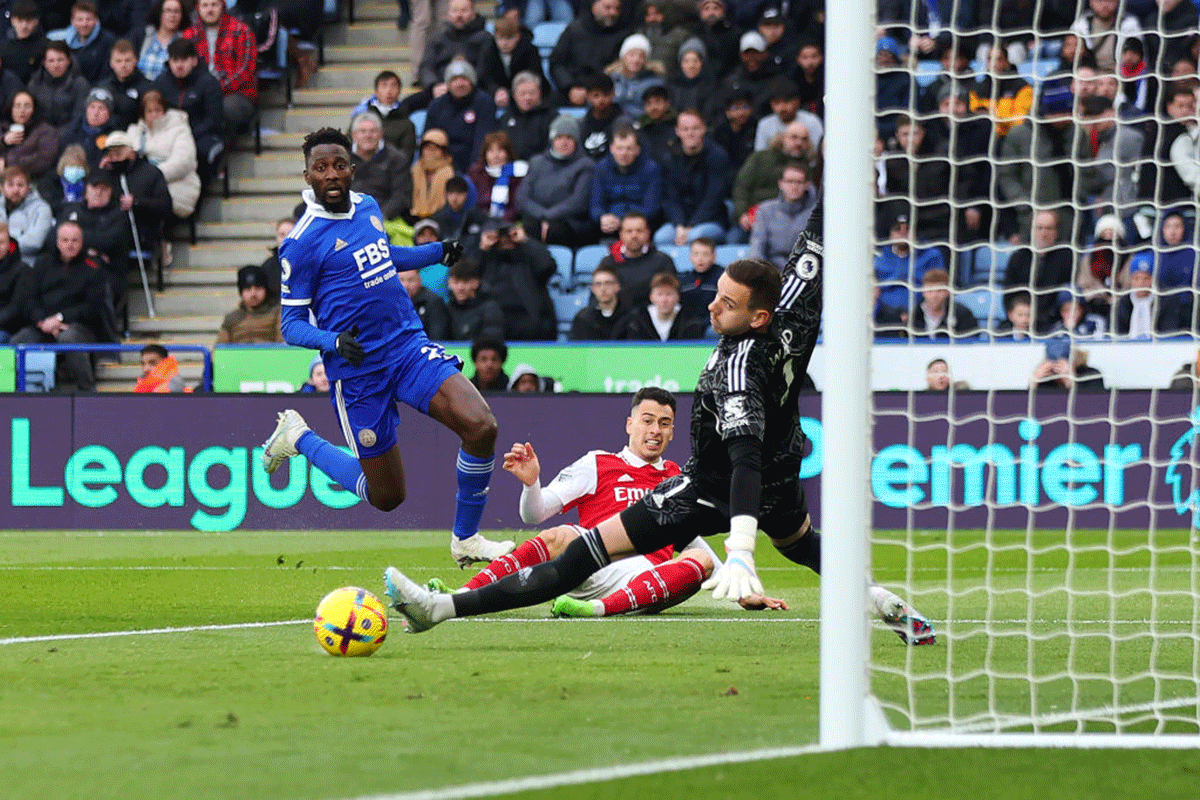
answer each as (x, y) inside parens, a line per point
(281, 444)
(413, 602)
(477, 548)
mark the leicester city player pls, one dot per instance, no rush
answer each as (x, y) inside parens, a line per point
(337, 264)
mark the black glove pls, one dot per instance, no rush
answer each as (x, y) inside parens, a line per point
(451, 251)
(347, 347)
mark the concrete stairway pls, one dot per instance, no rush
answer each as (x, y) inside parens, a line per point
(239, 230)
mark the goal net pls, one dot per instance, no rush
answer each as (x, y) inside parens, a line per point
(1029, 422)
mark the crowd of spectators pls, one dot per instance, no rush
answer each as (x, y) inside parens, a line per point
(1061, 142)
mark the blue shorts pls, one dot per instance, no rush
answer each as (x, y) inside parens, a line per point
(366, 404)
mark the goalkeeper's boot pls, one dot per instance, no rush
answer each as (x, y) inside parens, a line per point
(567, 606)
(439, 586)
(413, 602)
(281, 444)
(909, 625)
(478, 549)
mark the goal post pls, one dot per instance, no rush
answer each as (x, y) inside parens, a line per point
(1051, 538)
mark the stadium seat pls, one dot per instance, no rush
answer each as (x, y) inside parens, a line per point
(564, 259)
(567, 304)
(985, 304)
(587, 258)
(417, 118)
(39, 370)
(574, 111)
(545, 36)
(974, 266)
(1000, 257)
(680, 255)
(728, 253)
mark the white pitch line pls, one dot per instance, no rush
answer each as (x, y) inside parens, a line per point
(597, 775)
(749, 618)
(59, 637)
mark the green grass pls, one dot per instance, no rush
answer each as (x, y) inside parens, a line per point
(264, 712)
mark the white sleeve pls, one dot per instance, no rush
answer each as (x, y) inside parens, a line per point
(699, 542)
(576, 480)
(534, 507)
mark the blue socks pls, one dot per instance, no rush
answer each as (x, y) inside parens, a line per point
(474, 475)
(335, 463)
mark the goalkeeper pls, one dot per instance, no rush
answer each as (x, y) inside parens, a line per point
(747, 446)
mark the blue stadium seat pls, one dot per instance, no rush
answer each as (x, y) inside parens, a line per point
(417, 118)
(1000, 258)
(974, 266)
(39, 370)
(728, 253)
(574, 111)
(545, 36)
(678, 254)
(985, 304)
(587, 258)
(567, 304)
(564, 259)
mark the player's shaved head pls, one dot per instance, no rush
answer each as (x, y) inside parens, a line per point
(763, 280)
(325, 136)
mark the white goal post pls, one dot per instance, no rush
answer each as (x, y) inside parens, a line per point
(1037, 619)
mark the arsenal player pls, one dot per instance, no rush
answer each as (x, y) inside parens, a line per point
(600, 485)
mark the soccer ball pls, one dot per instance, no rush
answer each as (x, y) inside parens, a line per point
(350, 622)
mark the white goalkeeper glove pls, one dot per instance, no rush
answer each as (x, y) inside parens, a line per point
(737, 578)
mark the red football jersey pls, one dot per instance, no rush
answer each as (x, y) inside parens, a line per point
(602, 484)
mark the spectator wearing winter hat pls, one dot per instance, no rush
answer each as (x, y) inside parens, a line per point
(28, 140)
(585, 48)
(317, 381)
(90, 130)
(464, 112)
(256, 318)
(526, 380)
(1142, 311)
(1103, 262)
(553, 198)
(430, 172)
(755, 74)
(693, 83)
(663, 28)
(633, 74)
(719, 35)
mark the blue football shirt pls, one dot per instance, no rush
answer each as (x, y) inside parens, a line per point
(342, 268)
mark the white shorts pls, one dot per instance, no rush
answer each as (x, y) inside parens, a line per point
(616, 575)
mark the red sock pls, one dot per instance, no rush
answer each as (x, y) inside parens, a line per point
(657, 588)
(526, 555)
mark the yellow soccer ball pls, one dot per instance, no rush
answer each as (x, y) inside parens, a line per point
(350, 622)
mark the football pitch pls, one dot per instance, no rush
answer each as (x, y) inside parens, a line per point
(183, 664)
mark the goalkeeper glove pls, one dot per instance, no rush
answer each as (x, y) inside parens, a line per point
(347, 347)
(737, 578)
(451, 251)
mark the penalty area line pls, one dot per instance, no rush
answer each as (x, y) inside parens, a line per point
(60, 637)
(597, 775)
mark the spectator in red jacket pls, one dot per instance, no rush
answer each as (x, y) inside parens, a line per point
(226, 47)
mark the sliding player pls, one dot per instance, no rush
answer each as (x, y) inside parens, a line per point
(743, 475)
(337, 265)
(599, 485)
